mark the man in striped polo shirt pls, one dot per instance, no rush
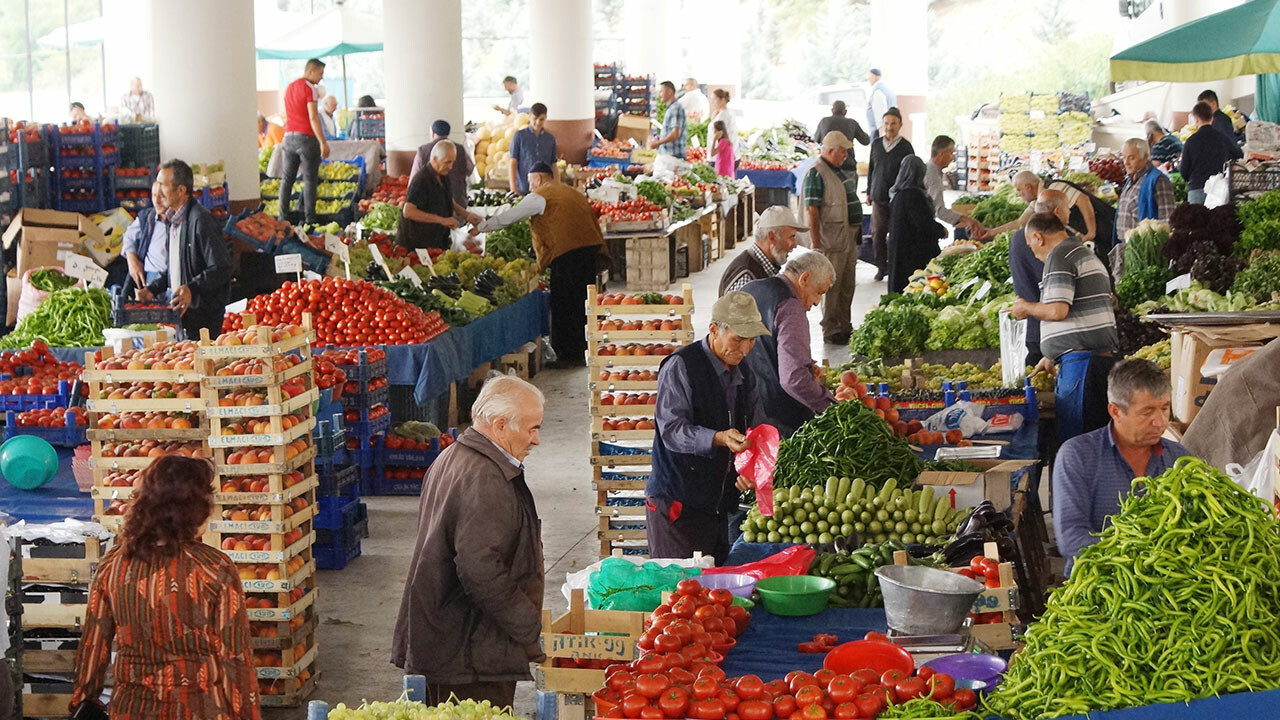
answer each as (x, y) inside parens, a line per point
(1077, 324)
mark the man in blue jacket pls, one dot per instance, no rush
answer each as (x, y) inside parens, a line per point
(706, 403)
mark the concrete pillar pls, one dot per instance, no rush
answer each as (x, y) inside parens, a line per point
(422, 69)
(202, 54)
(560, 74)
(900, 49)
(649, 51)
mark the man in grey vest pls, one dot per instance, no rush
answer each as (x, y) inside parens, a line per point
(834, 217)
(790, 382)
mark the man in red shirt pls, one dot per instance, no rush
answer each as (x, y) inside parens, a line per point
(304, 141)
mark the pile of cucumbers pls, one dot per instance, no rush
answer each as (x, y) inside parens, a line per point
(854, 573)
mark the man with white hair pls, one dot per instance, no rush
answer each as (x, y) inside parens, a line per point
(329, 123)
(789, 381)
(1147, 192)
(694, 101)
(1082, 213)
(430, 210)
(775, 239)
(138, 102)
(471, 615)
(1165, 147)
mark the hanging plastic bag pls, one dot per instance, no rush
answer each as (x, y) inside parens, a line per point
(795, 560)
(756, 463)
(1013, 350)
(1256, 476)
(1217, 191)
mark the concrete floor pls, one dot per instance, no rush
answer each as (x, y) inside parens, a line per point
(357, 606)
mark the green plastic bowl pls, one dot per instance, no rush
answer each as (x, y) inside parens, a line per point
(795, 595)
(27, 461)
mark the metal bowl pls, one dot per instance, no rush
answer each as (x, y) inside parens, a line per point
(925, 601)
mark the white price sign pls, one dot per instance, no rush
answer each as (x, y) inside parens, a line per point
(424, 257)
(1181, 282)
(291, 263)
(407, 273)
(302, 237)
(377, 257)
(83, 268)
(308, 275)
(334, 246)
(982, 291)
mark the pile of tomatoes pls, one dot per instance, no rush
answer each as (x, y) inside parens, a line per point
(986, 571)
(750, 164)
(395, 441)
(351, 356)
(344, 312)
(913, 430)
(352, 415)
(53, 417)
(329, 375)
(352, 387)
(638, 210)
(35, 371)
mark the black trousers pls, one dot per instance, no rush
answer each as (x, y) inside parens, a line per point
(300, 150)
(501, 694)
(688, 531)
(571, 273)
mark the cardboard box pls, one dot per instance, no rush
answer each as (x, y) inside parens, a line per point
(46, 237)
(632, 127)
(994, 483)
(1191, 346)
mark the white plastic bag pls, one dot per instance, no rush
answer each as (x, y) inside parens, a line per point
(1013, 350)
(1217, 191)
(967, 417)
(1256, 477)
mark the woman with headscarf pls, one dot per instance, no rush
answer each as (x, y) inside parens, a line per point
(913, 231)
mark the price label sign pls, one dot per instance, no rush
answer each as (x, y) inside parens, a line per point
(982, 291)
(1037, 114)
(291, 263)
(238, 306)
(308, 275)
(1181, 282)
(377, 257)
(334, 246)
(424, 257)
(302, 237)
(83, 268)
(407, 273)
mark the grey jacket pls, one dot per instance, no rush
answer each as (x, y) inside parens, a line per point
(472, 607)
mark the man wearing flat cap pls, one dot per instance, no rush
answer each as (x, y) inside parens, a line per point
(706, 403)
(834, 217)
(459, 175)
(566, 239)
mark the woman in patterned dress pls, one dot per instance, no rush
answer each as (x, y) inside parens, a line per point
(174, 606)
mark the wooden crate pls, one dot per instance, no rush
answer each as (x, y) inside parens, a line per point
(651, 262)
(711, 221)
(76, 562)
(583, 634)
(689, 234)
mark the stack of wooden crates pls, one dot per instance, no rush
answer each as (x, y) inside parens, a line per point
(621, 458)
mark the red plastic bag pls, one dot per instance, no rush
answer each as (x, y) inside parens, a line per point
(795, 560)
(757, 461)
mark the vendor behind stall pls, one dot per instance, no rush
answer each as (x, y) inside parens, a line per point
(430, 210)
(706, 402)
(1095, 471)
(1077, 324)
(566, 239)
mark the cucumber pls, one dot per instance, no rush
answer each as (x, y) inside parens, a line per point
(855, 492)
(925, 501)
(886, 491)
(941, 510)
(842, 489)
(833, 484)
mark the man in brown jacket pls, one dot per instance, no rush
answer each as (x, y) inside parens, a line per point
(567, 239)
(471, 616)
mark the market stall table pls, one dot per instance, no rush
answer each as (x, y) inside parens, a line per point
(768, 647)
(54, 501)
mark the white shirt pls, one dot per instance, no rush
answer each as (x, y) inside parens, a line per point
(879, 106)
(695, 104)
(532, 204)
(142, 106)
(517, 99)
(933, 187)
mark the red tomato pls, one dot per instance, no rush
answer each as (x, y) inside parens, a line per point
(674, 702)
(749, 687)
(941, 686)
(755, 710)
(707, 709)
(652, 685)
(705, 687)
(784, 706)
(911, 688)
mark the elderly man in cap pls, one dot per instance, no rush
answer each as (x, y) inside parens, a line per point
(790, 384)
(566, 239)
(706, 402)
(775, 239)
(834, 217)
(463, 166)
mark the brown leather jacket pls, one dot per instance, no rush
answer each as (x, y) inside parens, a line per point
(472, 607)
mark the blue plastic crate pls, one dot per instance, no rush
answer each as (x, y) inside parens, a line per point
(341, 481)
(334, 556)
(615, 449)
(231, 230)
(361, 525)
(335, 513)
(329, 435)
(134, 182)
(67, 435)
(382, 485)
(358, 161)
(352, 528)
(365, 370)
(365, 458)
(416, 458)
(367, 398)
(127, 313)
(62, 398)
(365, 429)
(208, 200)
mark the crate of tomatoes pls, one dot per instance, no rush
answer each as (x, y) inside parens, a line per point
(59, 426)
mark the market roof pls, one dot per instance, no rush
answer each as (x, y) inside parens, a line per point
(1243, 40)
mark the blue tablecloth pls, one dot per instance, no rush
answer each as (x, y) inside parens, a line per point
(768, 647)
(770, 178)
(56, 500)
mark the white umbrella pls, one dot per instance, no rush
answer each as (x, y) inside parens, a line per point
(81, 34)
(336, 31)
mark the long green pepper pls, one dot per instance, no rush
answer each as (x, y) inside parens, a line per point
(74, 317)
(1144, 620)
(846, 440)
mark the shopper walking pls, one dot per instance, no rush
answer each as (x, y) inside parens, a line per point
(1205, 153)
(460, 174)
(1094, 472)
(775, 233)
(675, 124)
(887, 153)
(1077, 324)
(837, 120)
(471, 615)
(706, 402)
(199, 264)
(304, 141)
(530, 146)
(173, 607)
(789, 382)
(568, 241)
(913, 233)
(834, 218)
(430, 210)
(879, 100)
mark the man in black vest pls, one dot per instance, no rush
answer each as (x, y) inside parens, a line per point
(775, 231)
(788, 380)
(705, 404)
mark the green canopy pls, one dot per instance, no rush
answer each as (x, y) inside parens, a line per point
(1244, 40)
(337, 31)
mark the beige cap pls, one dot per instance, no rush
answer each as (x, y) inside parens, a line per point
(836, 139)
(737, 310)
(778, 216)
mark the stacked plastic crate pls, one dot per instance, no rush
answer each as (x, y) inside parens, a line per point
(366, 407)
(84, 161)
(260, 395)
(627, 340)
(30, 175)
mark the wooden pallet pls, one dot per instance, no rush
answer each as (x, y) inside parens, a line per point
(72, 570)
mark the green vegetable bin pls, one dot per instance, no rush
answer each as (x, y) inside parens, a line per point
(795, 595)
